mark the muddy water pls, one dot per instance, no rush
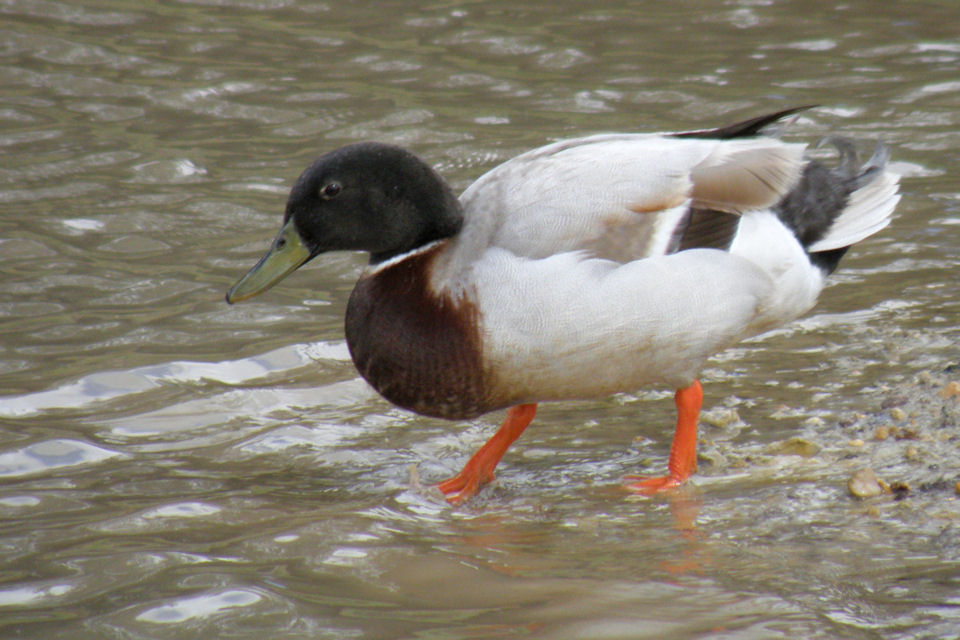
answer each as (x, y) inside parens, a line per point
(171, 467)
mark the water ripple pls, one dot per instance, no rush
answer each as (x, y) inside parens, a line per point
(107, 385)
(51, 455)
(199, 606)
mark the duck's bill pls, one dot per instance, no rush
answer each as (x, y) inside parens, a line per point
(286, 254)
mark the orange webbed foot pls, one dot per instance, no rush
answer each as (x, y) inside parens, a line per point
(652, 485)
(683, 451)
(479, 469)
(464, 485)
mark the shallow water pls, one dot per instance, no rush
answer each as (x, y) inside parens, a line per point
(171, 467)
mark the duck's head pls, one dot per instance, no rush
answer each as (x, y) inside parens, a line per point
(362, 197)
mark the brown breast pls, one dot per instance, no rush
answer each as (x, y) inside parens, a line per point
(419, 350)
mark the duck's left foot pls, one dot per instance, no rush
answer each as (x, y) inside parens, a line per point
(464, 485)
(479, 469)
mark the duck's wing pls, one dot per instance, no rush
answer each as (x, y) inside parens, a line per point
(567, 326)
(627, 196)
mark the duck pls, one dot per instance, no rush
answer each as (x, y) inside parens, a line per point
(581, 269)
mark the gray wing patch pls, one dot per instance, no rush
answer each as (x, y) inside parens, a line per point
(704, 229)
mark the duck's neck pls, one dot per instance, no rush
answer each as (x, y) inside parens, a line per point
(435, 214)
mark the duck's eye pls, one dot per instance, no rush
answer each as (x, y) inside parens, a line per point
(330, 190)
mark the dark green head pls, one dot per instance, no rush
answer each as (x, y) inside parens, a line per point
(362, 197)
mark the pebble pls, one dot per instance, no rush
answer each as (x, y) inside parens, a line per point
(893, 401)
(956, 488)
(882, 433)
(898, 414)
(900, 488)
(907, 434)
(794, 447)
(865, 484)
(721, 417)
(856, 442)
(952, 390)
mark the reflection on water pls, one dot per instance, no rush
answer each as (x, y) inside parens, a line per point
(171, 467)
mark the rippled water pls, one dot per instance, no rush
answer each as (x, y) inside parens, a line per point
(171, 467)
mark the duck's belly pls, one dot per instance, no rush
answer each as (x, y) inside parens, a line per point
(568, 328)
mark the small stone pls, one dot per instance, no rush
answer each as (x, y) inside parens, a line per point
(794, 447)
(720, 417)
(956, 488)
(952, 390)
(856, 442)
(912, 453)
(893, 401)
(881, 433)
(900, 488)
(898, 414)
(864, 484)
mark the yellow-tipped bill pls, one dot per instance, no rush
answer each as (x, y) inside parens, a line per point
(287, 253)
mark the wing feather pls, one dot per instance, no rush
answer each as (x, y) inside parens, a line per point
(621, 197)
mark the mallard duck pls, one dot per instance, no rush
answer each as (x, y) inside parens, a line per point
(576, 270)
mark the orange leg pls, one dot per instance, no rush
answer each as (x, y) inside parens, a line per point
(683, 452)
(479, 469)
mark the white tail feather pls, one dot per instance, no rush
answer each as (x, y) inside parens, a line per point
(867, 212)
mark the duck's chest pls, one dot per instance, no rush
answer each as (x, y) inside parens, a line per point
(419, 350)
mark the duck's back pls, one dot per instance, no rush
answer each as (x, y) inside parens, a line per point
(622, 196)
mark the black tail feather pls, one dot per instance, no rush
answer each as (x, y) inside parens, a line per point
(745, 129)
(823, 193)
(828, 261)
